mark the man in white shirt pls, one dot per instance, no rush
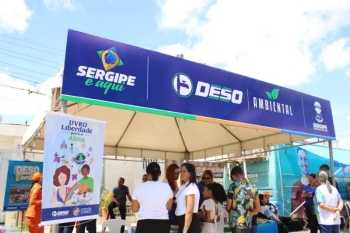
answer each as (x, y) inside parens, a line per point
(328, 204)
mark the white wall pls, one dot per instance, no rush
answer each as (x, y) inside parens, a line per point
(131, 171)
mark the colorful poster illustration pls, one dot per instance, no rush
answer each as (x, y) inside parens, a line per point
(73, 158)
(19, 181)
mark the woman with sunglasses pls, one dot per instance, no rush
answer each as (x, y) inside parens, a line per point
(207, 178)
(187, 201)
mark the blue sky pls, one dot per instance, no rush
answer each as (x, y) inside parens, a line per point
(302, 46)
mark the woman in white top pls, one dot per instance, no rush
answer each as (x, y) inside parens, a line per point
(329, 205)
(152, 200)
(187, 201)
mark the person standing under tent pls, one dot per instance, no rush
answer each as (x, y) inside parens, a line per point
(207, 178)
(212, 212)
(152, 200)
(242, 198)
(329, 205)
(171, 176)
(308, 195)
(325, 168)
(187, 201)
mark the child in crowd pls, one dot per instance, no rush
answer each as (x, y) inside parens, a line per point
(213, 213)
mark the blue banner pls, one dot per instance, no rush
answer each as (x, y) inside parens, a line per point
(64, 213)
(297, 163)
(19, 181)
(108, 73)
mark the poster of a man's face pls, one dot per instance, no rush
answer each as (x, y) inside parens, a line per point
(303, 162)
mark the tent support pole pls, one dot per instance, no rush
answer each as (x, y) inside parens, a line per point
(245, 169)
(330, 146)
(187, 156)
(64, 106)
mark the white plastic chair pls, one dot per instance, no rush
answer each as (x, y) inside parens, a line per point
(115, 225)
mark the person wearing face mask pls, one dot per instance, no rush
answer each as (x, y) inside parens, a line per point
(187, 201)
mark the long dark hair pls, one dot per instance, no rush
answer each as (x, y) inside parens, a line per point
(261, 197)
(217, 191)
(153, 169)
(192, 170)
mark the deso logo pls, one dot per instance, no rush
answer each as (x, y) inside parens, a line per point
(183, 86)
(104, 78)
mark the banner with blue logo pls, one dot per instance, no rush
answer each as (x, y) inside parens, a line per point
(73, 158)
(19, 181)
(108, 73)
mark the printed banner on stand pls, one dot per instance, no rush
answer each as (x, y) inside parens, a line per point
(19, 181)
(73, 159)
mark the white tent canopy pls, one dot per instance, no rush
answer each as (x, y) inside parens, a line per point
(137, 134)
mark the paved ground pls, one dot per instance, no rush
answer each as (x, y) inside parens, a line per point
(132, 220)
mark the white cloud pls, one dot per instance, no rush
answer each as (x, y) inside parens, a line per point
(344, 143)
(342, 126)
(337, 54)
(14, 16)
(179, 13)
(347, 72)
(65, 4)
(268, 40)
(20, 102)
